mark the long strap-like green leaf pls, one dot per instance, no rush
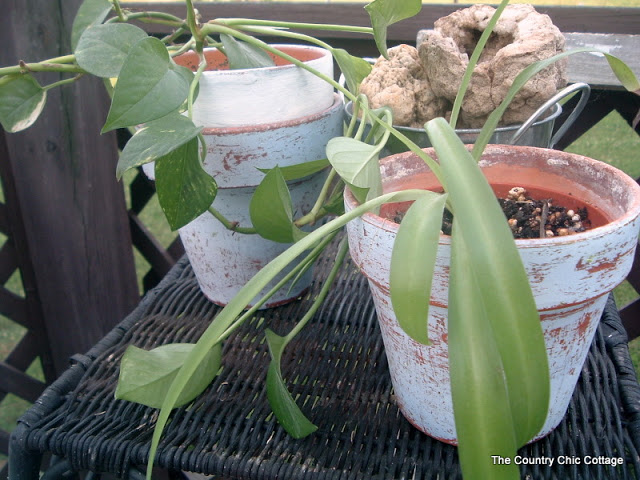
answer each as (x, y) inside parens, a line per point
(504, 286)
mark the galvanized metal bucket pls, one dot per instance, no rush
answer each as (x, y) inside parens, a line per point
(537, 131)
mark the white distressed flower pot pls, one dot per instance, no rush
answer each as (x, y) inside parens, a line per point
(570, 276)
(256, 119)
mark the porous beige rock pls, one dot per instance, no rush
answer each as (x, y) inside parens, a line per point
(521, 37)
(401, 84)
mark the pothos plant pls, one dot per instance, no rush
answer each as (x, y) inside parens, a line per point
(153, 96)
(506, 409)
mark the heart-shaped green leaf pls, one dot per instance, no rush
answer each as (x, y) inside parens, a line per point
(91, 12)
(146, 375)
(244, 55)
(282, 403)
(387, 12)
(156, 139)
(271, 209)
(149, 87)
(354, 69)
(103, 49)
(357, 163)
(412, 264)
(21, 102)
(185, 190)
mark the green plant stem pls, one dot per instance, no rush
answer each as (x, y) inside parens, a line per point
(229, 225)
(118, 8)
(160, 18)
(211, 28)
(192, 22)
(170, 38)
(194, 83)
(477, 51)
(287, 34)
(312, 216)
(63, 82)
(324, 291)
(303, 265)
(45, 66)
(241, 22)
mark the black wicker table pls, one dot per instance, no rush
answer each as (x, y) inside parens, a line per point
(338, 373)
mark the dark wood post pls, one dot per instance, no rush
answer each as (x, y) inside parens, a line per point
(74, 210)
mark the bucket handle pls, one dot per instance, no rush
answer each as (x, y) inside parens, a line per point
(585, 90)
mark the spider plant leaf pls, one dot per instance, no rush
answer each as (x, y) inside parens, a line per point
(383, 13)
(91, 12)
(412, 264)
(146, 375)
(149, 87)
(185, 190)
(271, 209)
(156, 139)
(505, 287)
(244, 55)
(482, 408)
(21, 102)
(282, 403)
(103, 49)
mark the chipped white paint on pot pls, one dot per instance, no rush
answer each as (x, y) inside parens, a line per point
(570, 276)
(253, 119)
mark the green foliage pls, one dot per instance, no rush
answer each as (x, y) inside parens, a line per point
(387, 12)
(155, 140)
(21, 102)
(493, 255)
(149, 87)
(91, 12)
(184, 189)
(282, 403)
(244, 55)
(271, 209)
(300, 170)
(103, 49)
(146, 375)
(413, 262)
(353, 68)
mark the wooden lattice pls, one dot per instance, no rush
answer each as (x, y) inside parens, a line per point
(23, 309)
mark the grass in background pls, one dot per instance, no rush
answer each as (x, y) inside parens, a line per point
(613, 141)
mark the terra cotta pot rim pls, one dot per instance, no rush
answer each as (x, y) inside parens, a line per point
(284, 47)
(600, 231)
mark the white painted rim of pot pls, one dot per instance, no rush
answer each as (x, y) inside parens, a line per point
(560, 157)
(229, 98)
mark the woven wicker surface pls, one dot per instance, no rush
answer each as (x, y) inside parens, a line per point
(337, 370)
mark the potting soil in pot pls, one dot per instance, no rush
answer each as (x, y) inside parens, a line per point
(530, 217)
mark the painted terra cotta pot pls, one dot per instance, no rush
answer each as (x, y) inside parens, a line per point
(256, 119)
(571, 276)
